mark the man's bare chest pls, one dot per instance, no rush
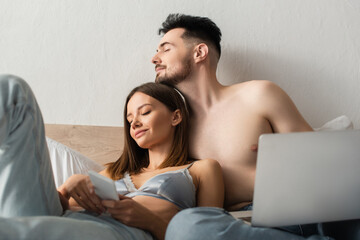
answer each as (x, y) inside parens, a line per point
(227, 139)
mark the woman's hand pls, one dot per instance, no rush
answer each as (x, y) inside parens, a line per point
(133, 214)
(80, 188)
(64, 201)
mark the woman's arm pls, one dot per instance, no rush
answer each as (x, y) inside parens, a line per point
(79, 191)
(133, 214)
(211, 190)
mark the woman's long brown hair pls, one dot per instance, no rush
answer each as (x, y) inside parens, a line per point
(134, 158)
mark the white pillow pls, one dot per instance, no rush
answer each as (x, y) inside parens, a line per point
(67, 162)
(339, 123)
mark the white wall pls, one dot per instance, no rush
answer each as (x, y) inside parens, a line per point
(83, 57)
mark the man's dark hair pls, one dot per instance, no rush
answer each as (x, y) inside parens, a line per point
(195, 27)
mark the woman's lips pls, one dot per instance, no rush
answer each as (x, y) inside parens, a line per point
(139, 133)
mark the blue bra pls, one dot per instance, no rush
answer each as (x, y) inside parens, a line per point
(175, 186)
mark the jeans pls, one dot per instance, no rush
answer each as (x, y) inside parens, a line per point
(29, 203)
(215, 224)
(301, 230)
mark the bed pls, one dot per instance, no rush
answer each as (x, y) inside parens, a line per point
(76, 149)
(99, 143)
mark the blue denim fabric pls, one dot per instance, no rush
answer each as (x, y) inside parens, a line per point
(304, 230)
(248, 207)
(216, 224)
(29, 203)
(26, 179)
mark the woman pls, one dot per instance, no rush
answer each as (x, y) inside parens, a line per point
(154, 175)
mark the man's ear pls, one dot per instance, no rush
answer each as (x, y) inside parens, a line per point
(176, 118)
(201, 52)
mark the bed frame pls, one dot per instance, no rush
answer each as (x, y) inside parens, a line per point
(99, 143)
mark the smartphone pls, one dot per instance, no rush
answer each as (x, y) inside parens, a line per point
(104, 187)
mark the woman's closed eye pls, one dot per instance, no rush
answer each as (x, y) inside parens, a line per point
(146, 112)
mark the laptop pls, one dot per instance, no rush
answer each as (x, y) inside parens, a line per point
(306, 177)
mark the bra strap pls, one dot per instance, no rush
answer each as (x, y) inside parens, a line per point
(190, 165)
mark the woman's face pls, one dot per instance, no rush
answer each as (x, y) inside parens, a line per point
(152, 124)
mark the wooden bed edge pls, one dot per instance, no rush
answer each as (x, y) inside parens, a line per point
(102, 144)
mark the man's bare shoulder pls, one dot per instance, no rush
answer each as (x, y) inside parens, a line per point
(252, 91)
(269, 101)
(253, 86)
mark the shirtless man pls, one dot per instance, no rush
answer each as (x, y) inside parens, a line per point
(226, 123)
(226, 120)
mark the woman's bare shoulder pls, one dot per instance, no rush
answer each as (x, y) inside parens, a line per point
(207, 163)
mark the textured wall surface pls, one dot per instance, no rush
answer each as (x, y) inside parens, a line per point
(83, 57)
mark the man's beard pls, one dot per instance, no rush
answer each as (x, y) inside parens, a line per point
(177, 77)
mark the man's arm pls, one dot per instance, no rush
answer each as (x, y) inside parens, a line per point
(277, 107)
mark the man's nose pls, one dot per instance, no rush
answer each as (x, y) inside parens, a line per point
(155, 59)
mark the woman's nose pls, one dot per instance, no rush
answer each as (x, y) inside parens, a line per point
(135, 123)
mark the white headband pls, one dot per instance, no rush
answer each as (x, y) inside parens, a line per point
(183, 98)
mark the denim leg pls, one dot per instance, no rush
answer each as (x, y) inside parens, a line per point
(73, 225)
(301, 230)
(216, 223)
(54, 228)
(27, 185)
